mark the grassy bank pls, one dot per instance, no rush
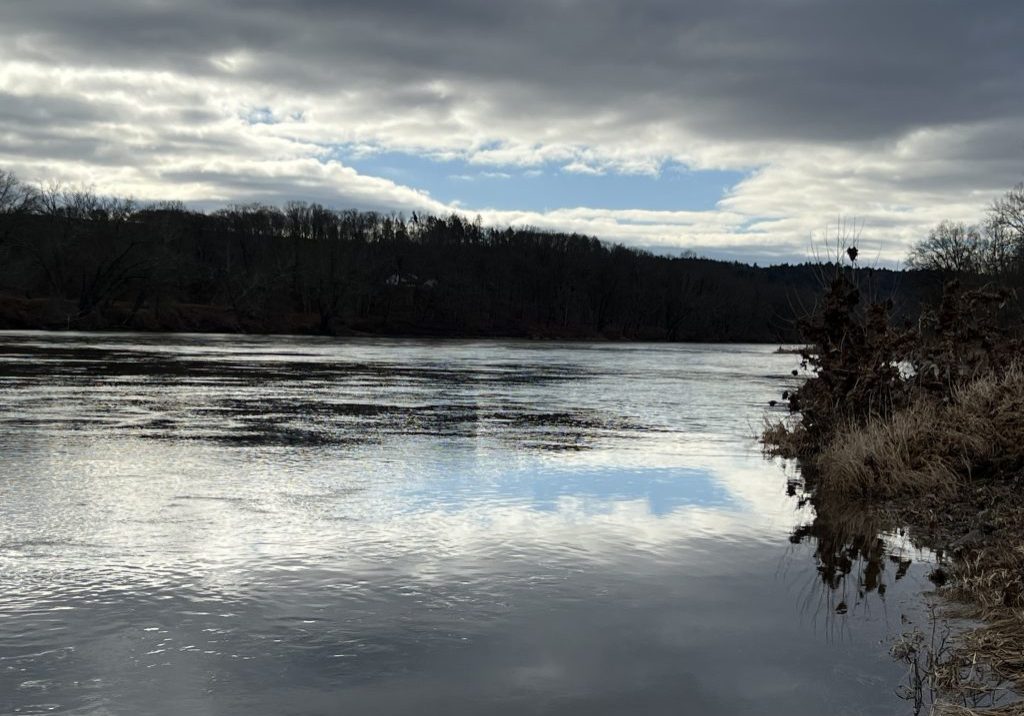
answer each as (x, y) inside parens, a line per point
(921, 429)
(952, 475)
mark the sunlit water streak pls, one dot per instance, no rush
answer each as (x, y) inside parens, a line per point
(226, 524)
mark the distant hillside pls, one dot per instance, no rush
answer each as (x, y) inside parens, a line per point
(76, 261)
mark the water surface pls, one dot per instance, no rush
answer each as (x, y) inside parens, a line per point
(248, 525)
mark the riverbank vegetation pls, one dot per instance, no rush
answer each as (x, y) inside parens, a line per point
(921, 425)
(72, 259)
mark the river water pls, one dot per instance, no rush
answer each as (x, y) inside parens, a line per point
(275, 525)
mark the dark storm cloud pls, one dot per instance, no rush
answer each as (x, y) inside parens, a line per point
(742, 69)
(46, 109)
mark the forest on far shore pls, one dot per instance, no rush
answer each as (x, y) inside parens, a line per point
(73, 259)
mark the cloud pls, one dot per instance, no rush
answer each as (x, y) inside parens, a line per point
(578, 167)
(898, 113)
(481, 175)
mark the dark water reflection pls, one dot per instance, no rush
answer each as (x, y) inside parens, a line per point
(225, 525)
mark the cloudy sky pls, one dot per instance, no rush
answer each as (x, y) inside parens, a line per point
(736, 128)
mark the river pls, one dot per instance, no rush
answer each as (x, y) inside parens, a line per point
(280, 525)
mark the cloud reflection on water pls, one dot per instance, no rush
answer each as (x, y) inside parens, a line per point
(444, 571)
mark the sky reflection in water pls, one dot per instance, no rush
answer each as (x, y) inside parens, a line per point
(213, 524)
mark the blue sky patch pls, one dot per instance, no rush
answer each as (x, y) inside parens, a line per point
(544, 187)
(260, 115)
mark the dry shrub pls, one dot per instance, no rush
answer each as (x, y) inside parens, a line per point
(865, 370)
(855, 354)
(783, 438)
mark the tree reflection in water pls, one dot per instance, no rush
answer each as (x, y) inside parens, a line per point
(860, 550)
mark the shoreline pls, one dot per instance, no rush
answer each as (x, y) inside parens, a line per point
(21, 314)
(948, 474)
(974, 534)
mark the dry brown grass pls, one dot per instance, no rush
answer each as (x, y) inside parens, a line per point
(989, 579)
(929, 447)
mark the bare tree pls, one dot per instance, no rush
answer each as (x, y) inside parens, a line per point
(16, 197)
(1008, 211)
(951, 247)
(999, 249)
(17, 202)
(1006, 227)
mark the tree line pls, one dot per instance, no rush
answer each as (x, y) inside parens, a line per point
(74, 259)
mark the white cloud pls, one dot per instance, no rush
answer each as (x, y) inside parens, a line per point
(199, 102)
(578, 167)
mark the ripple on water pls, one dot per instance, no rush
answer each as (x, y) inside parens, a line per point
(241, 524)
